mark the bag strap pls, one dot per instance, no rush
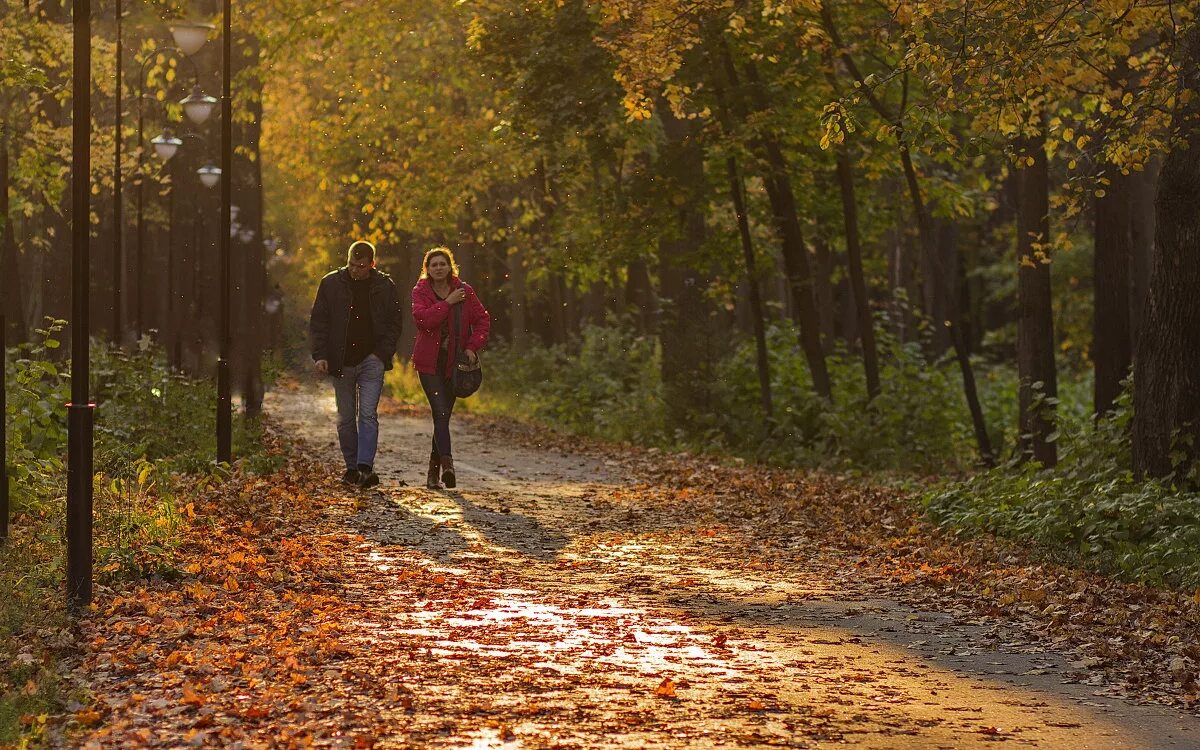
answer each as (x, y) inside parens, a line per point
(457, 343)
(458, 347)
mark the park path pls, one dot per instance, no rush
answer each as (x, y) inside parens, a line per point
(548, 603)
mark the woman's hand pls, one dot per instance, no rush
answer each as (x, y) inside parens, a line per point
(472, 357)
(458, 295)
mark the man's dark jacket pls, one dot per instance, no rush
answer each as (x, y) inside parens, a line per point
(330, 318)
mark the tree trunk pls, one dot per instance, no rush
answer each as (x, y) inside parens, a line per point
(1035, 326)
(1167, 363)
(685, 318)
(796, 255)
(957, 339)
(858, 282)
(756, 307)
(640, 297)
(1143, 188)
(823, 290)
(1112, 340)
(787, 223)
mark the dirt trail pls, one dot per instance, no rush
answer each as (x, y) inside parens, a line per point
(596, 622)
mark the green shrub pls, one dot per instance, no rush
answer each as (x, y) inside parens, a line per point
(918, 423)
(1090, 507)
(608, 387)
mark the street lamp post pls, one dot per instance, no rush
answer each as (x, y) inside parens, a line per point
(80, 410)
(118, 264)
(189, 38)
(224, 401)
(166, 145)
(197, 107)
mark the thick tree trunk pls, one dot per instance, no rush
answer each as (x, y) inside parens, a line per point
(1167, 363)
(756, 307)
(1142, 222)
(1112, 340)
(685, 326)
(1038, 387)
(858, 282)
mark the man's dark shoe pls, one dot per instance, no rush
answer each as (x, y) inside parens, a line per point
(352, 477)
(369, 479)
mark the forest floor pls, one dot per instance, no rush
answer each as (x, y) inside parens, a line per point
(572, 594)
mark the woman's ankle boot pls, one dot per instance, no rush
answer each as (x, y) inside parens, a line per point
(435, 468)
(448, 472)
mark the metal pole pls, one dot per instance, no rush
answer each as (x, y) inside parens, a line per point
(224, 402)
(3, 427)
(80, 410)
(171, 322)
(118, 263)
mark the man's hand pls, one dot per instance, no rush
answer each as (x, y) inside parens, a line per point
(458, 295)
(322, 366)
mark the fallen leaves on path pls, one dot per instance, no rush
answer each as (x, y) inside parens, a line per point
(306, 615)
(1140, 640)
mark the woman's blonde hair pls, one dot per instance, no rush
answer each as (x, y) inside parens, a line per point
(444, 251)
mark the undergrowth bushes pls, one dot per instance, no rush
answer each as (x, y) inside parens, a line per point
(154, 444)
(1090, 507)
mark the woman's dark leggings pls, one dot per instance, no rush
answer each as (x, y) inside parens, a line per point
(440, 392)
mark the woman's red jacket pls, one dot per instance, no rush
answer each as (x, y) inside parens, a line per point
(430, 312)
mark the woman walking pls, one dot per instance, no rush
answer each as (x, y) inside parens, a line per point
(434, 298)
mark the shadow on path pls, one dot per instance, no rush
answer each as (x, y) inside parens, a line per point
(515, 531)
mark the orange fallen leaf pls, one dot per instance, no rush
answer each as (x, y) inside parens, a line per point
(87, 717)
(190, 696)
(756, 705)
(666, 688)
(231, 584)
(823, 713)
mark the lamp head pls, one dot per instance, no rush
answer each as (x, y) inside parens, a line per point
(198, 106)
(210, 175)
(190, 36)
(166, 145)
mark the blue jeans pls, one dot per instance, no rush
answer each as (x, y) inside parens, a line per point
(440, 392)
(357, 392)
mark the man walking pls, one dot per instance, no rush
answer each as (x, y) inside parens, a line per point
(355, 324)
